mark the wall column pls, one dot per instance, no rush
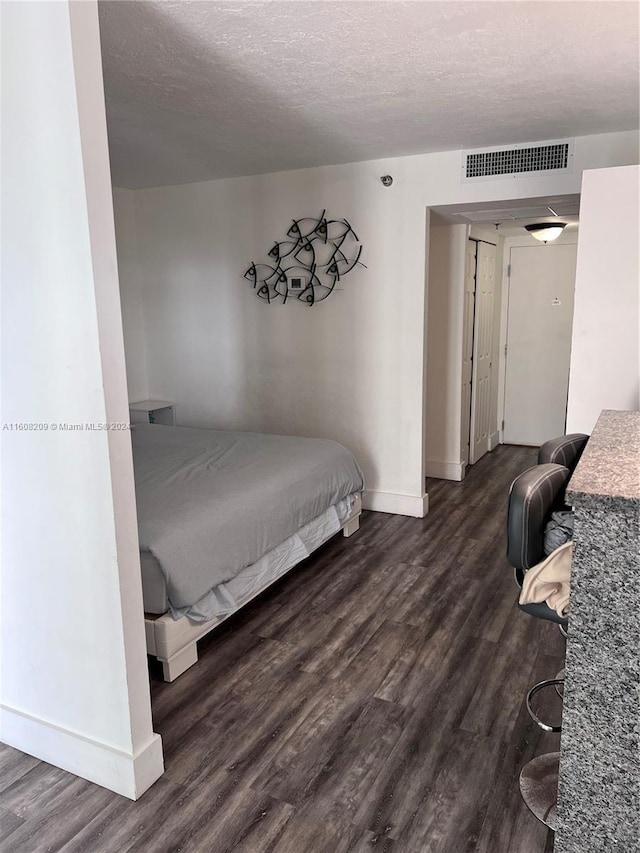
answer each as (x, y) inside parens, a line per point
(74, 680)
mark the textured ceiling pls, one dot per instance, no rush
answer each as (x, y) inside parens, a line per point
(201, 90)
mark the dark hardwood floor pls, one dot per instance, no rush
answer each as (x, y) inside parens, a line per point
(373, 700)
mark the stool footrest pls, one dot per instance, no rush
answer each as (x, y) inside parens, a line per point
(550, 682)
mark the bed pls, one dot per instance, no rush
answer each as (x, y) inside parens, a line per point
(224, 514)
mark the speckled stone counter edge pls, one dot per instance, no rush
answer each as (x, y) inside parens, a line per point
(600, 770)
(609, 468)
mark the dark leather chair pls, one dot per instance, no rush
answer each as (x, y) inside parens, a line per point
(533, 496)
(565, 450)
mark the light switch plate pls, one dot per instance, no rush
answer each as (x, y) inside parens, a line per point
(297, 283)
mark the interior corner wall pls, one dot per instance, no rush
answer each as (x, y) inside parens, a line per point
(605, 356)
(74, 680)
(350, 368)
(130, 295)
(447, 259)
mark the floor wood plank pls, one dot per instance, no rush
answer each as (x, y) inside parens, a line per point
(13, 765)
(450, 815)
(329, 725)
(122, 822)
(57, 815)
(508, 823)
(9, 823)
(40, 791)
(411, 769)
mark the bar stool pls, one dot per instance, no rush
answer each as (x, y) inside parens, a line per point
(533, 496)
(564, 450)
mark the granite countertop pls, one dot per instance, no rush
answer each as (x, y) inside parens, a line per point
(609, 468)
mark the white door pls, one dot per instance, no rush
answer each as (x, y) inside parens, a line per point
(541, 287)
(482, 348)
(467, 346)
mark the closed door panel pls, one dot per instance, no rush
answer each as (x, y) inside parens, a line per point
(482, 348)
(540, 316)
(467, 347)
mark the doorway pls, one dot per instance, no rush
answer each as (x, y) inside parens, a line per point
(541, 283)
(465, 373)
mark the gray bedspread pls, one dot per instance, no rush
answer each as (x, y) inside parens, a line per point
(212, 502)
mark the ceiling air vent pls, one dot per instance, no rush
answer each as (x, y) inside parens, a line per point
(519, 159)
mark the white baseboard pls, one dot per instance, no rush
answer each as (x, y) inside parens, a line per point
(446, 470)
(494, 440)
(412, 505)
(129, 775)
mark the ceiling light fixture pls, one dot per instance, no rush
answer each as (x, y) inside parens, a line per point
(546, 231)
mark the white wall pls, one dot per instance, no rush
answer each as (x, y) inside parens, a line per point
(447, 260)
(351, 368)
(129, 276)
(605, 369)
(74, 677)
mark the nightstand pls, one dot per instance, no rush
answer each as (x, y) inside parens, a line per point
(153, 412)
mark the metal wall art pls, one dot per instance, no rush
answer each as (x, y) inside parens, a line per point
(316, 256)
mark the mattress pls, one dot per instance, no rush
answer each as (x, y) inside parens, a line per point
(212, 503)
(226, 598)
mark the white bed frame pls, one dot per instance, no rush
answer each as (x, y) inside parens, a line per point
(174, 642)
